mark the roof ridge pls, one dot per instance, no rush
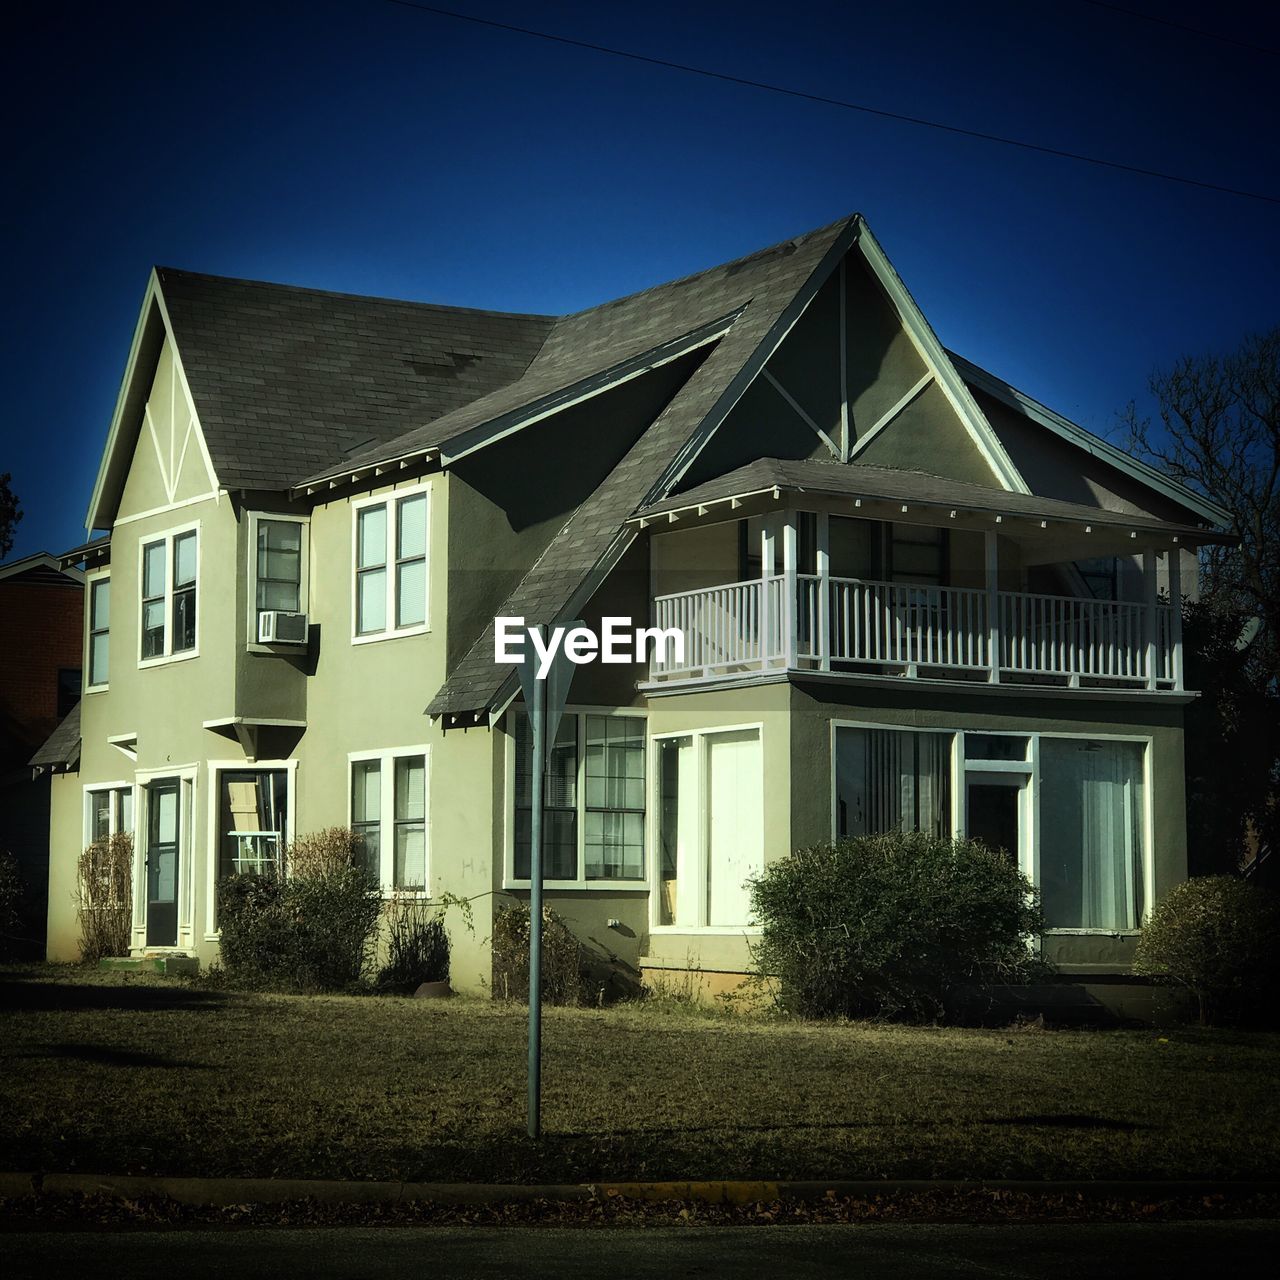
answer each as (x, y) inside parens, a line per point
(163, 271)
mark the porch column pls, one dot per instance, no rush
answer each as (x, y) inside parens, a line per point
(767, 543)
(991, 542)
(789, 612)
(824, 591)
(1150, 629)
(1175, 621)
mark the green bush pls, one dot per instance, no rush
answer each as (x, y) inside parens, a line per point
(1220, 938)
(310, 930)
(891, 925)
(417, 945)
(562, 957)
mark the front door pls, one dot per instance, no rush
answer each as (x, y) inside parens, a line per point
(994, 815)
(163, 822)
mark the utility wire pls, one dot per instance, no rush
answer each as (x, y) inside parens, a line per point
(831, 102)
(1182, 26)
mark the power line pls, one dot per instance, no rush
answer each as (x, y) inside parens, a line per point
(1182, 26)
(831, 102)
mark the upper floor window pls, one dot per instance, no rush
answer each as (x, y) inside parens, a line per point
(279, 565)
(391, 565)
(99, 624)
(169, 595)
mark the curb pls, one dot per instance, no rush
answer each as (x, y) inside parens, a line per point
(221, 1192)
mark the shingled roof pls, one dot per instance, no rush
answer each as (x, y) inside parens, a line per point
(61, 749)
(287, 380)
(767, 288)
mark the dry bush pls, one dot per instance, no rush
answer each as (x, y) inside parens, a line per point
(104, 897)
(562, 957)
(323, 854)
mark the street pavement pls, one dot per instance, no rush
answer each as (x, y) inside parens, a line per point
(868, 1252)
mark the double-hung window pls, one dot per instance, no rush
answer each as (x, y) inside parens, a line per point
(389, 814)
(593, 799)
(391, 565)
(169, 570)
(99, 631)
(108, 812)
(278, 581)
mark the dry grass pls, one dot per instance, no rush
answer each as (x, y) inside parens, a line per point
(130, 1075)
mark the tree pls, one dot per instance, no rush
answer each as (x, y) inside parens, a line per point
(1218, 432)
(10, 514)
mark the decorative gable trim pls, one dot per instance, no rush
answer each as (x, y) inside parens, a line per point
(149, 335)
(939, 364)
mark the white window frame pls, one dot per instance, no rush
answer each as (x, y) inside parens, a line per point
(389, 500)
(167, 537)
(91, 789)
(580, 714)
(386, 758)
(699, 872)
(188, 801)
(962, 771)
(304, 571)
(215, 769)
(91, 580)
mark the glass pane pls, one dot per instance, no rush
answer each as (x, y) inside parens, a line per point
(366, 791)
(278, 595)
(995, 746)
(371, 537)
(411, 856)
(614, 845)
(411, 788)
(371, 587)
(279, 535)
(100, 605)
(369, 835)
(615, 762)
(284, 565)
(677, 824)
(184, 620)
(887, 780)
(153, 628)
(1091, 833)
(164, 823)
(411, 536)
(252, 809)
(99, 815)
(98, 659)
(124, 819)
(411, 594)
(153, 562)
(184, 560)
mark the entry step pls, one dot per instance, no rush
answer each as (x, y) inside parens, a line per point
(167, 966)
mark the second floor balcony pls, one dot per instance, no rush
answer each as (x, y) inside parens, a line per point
(820, 623)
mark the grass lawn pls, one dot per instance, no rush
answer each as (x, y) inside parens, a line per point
(121, 1074)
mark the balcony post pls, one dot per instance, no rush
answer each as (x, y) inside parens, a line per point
(824, 591)
(992, 548)
(789, 610)
(766, 572)
(1150, 626)
(1175, 620)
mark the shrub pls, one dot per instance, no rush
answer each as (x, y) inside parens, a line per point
(562, 957)
(310, 930)
(417, 945)
(1220, 938)
(12, 894)
(104, 898)
(891, 925)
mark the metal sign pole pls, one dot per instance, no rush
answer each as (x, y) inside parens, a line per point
(537, 719)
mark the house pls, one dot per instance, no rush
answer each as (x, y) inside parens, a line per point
(40, 647)
(909, 595)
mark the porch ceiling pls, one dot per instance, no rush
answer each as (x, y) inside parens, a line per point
(1049, 530)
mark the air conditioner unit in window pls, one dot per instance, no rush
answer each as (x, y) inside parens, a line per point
(278, 627)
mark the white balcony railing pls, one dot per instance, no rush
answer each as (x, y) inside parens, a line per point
(849, 624)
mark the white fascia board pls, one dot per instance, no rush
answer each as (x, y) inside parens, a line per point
(1075, 434)
(489, 433)
(935, 357)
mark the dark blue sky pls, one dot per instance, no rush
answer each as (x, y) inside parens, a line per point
(359, 146)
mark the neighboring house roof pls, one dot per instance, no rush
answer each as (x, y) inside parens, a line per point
(857, 480)
(41, 567)
(62, 748)
(772, 288)
(287, 380)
